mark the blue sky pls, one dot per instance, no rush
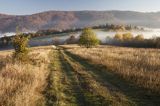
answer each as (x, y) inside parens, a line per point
(21, 7)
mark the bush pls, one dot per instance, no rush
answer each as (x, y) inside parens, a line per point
(157, 42)
(56, 41)
(88, 38)
(20, 44)
(71, 40)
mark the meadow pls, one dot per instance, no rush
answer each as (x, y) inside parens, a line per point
(22, 84)
(70, 75)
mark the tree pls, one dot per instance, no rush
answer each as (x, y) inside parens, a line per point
(139, 38)
(20, 44)
(118, 37)
(88, 38)
(127, 36)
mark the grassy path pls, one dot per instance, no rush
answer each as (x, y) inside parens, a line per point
(102, 94)
(116, 85)
(83, 90)
(63, 88)
(69, 87)
(74, 81)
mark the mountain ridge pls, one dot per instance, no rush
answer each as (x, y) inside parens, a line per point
(75, 19)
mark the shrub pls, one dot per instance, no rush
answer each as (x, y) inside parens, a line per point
(158, 42)
(56, 41)
(71, 40)
(88, 38)
(20, 44)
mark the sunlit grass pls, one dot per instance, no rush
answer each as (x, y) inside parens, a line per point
(140, 66)
(22, 84)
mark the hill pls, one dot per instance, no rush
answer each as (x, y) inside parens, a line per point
(75, 19)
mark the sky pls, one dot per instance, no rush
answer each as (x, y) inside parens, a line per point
(24, 7)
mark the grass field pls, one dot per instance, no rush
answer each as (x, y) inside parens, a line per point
(74, 76)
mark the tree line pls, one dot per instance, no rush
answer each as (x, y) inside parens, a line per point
(126, 39)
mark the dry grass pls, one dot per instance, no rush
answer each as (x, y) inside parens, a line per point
(69, 80)
(139, 66)
(22, 84)
(105, 95)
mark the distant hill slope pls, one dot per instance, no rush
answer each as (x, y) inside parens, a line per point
(71, 19)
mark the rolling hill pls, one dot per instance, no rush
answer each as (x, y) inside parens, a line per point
(76, 19)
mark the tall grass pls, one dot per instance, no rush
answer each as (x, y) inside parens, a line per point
(139, 66)
(22, 84)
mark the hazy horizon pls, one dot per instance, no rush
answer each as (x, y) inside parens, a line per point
(22, 7)
(78, 11)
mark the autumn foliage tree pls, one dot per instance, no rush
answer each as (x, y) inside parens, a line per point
(139, 38)
(88, 38)
(127, 36)
(118, 37)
